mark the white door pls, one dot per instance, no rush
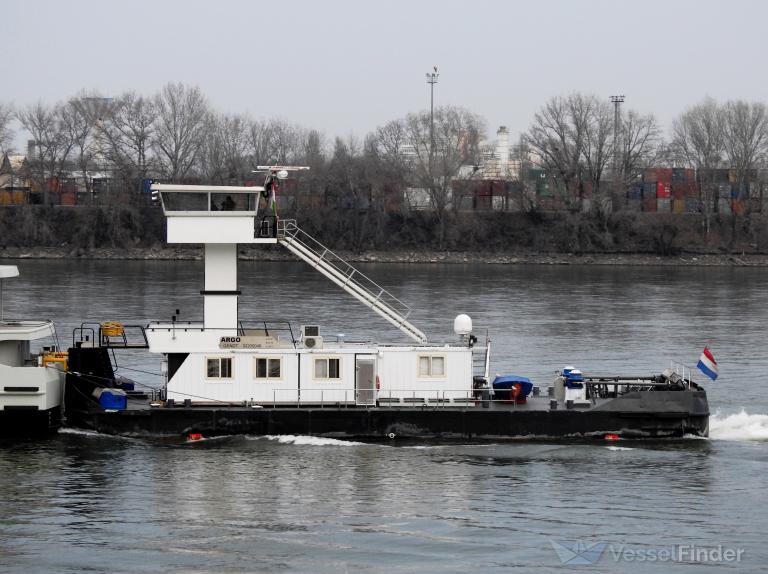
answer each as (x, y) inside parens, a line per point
(365, 379)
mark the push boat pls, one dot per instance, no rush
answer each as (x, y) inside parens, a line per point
(31, 374)
(225, 376)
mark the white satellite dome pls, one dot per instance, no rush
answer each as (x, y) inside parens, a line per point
(462, 324)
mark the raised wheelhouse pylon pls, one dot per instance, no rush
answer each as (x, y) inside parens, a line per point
(195, 214)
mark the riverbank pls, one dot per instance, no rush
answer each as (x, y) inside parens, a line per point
(440, 257)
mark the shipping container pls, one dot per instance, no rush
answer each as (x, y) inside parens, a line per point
(664, 174)
(68, 198)
(649, 190)
(683, 174)
(543, 189)
(739, 191)
(663, 205)
(68, 185)
(663, 190)
(635, 191)
(657, 174)
(19, 197)
(678, 206)
(683, 189)
(739, 206)
(692, 205)
(5, 197)
(749, 174)
(649, 204)
(53, 185)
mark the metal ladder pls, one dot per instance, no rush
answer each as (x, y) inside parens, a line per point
(364, 289)
(481, 361)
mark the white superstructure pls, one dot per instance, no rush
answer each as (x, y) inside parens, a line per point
(223, 360)
(29, 382)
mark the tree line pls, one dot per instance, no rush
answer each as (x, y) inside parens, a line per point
(177, 135)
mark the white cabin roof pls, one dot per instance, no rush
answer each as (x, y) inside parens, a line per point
(8, 271)
(11, 330)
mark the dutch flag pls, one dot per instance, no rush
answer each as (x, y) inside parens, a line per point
(707, 364)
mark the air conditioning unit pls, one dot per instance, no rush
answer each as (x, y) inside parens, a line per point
(310, 331)
(313, 342)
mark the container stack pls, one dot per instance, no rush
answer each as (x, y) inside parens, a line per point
(635, 197)
(656, 189)
(685, 191)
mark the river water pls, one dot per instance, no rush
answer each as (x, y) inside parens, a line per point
(81, 502)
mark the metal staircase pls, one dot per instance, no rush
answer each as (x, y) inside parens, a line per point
(364, 289)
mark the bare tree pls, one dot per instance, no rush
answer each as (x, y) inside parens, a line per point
(258, 142)
(124, 132)
(698, 142)
(233, 131)
(53, 143)
(211, 157)
(406, 144)
(572, 137)
(6, 133)
(182, 123)
(640, 146)
(77, 120)
(745, 130)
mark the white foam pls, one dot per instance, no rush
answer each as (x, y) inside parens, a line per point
(80, 432)
(739, 426)
(310, 440)
(90, 434)
(208, 438)
(619, 448)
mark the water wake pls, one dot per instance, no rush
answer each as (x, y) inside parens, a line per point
(92, 434)
(309, 440)
(739, 426)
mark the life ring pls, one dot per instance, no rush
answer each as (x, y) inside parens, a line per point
(514, 392)
(378, 383)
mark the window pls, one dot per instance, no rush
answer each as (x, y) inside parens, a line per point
(218, 368)
(327, 368)
(431, 366)
(267, 368)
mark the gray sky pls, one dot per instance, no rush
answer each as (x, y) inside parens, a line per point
(347, 66)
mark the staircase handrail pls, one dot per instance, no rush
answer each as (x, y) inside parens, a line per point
(289, 228)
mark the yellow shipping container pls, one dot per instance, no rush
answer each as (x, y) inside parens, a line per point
(5, 198)
(678, 206)
(19, 197)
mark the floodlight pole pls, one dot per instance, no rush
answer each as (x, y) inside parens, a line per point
(432, 80)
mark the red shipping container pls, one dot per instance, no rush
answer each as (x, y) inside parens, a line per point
(53, 185)
(663, 190)
(740, 207)
(68, 198)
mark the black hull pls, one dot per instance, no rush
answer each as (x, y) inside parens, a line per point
(29, 422)
(377, 424)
